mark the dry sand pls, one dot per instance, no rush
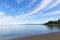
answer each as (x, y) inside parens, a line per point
(50, 36)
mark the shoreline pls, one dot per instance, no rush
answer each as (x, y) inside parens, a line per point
(49, 36)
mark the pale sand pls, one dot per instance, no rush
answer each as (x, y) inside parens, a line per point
(50, 36)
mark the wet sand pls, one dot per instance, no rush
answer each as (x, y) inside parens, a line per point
(50, 36)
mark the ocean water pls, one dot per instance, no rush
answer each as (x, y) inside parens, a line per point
(11, 31)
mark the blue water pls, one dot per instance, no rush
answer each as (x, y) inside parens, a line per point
(10, 31)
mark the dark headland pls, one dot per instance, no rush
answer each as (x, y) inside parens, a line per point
(53, 23)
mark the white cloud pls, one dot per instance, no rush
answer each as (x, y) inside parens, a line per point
(39, 7)
(44, 4)
(10, 20)
(6, 5)
(31, 3)
(7, 20)
(2, 13)
(52, 4)
(52, 13)
(19, 1)
(12, 9)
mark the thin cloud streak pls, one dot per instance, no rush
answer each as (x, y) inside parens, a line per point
(19, 1)
(52, 13)
(40, 7)
(53, 5)
(31, 3)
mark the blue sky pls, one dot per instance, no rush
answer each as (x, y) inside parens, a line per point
(28, 11)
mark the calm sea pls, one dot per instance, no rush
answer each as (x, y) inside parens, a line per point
(11, 31)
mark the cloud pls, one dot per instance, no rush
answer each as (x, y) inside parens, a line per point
(31, 3)
(2, 13)
(52, 13)
(6, 5)
(8, 20)
(48, 4)
(19, 1)
(12, 9)
(52, 4)
(39, 7)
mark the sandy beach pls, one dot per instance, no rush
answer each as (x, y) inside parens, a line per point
(50, 36)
